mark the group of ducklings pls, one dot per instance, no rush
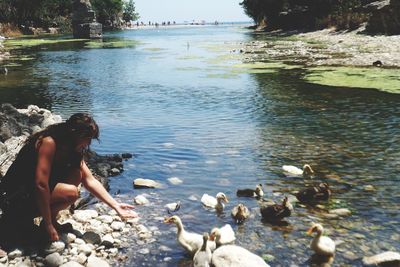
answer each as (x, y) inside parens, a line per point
(216, 248)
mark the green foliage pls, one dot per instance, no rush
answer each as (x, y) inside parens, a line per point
(306, 14)
(130, 11)
(108, 12)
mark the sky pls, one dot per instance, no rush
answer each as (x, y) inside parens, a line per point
(189, 10)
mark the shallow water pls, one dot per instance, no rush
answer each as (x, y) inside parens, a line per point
(175, 98)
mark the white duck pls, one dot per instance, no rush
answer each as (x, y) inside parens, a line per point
(215, 202)
(202, 258)
(189, 241)
(235, 256)
(322, 245)
(290, 170)
(223, 235)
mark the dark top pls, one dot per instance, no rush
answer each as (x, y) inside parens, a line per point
(19, 181)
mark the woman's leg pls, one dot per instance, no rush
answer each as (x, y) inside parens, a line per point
(64, 194)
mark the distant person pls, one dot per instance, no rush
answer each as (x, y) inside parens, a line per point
(44, 179)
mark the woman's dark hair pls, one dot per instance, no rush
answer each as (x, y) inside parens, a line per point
(78, 127)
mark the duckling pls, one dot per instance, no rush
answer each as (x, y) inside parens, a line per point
(173, 207)
(232, 255)
(277, 212)
(321, 245)
(240, 213)
(315, 193)
(191, 242)
(213, 202)
(223, 235)
(289, 170)
(258, 192)
(202, 258)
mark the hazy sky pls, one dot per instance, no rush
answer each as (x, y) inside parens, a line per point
(188, 10)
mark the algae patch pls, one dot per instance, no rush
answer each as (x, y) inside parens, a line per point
(111, 44)
(387, 80)
(19, 43)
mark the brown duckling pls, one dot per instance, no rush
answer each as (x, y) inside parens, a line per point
(240, 213)
(277, 212)
(316, 193)
(258, 192)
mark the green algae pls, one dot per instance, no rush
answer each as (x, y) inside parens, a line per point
(387, 80)
(226, 75)
(154, 49)
(29, 42)
(189, 57)
(98, 44)
(266, 65)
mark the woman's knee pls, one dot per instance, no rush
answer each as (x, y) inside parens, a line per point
(65, 192)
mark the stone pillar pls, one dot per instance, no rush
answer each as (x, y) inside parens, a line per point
(84, 23)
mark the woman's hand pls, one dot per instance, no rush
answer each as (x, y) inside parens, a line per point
(52, 232)
(125, 211)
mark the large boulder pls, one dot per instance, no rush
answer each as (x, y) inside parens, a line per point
(385, 18)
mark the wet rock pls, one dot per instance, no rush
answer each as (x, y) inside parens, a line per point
(145, 183)
(54, 259)
(350, 256)
(388, 258)
(369, 188)
(175, 180)
(114, 172)
(341, 212)
(126, 155)
(144, 251)
(91, 238)
(141, 200)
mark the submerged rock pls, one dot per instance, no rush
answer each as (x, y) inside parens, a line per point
(388, 258)
(145, 183)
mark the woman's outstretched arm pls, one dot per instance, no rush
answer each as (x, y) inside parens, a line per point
(97, 189)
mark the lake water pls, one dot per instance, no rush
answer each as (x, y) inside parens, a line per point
(172, 97)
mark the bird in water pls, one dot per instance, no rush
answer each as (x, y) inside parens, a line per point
(240, 213)
(258, 192)
(321, 245)
(276, 212)
(202, 258)
(319, 192)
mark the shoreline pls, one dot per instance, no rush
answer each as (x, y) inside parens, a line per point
(324, 48)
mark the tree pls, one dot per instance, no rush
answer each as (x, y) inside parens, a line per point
(108, 12)
(130, 11)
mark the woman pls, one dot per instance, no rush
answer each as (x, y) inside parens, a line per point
(45, 176)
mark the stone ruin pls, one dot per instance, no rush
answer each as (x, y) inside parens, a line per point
(84, 23)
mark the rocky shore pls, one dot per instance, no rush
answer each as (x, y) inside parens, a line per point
(98, 233)
(325, 47)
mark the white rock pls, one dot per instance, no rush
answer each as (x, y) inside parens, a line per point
(105, 219)
(71, 264)
(54, 260)
(383, 258)
(68, 238)
(84, 216)
(341, 212)
(14, 254)
(175, 180)
(96, 262)
(117, 226)
(81, 258)
(79, 241)
(108, 238)
(85, 249)
(145, 183)
(141, 200)
(144, 251)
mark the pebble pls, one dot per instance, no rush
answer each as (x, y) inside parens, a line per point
(117, 226)
(96, 262)
(144, 251)
(71, 264)
(175, 180)
(91, 237)
(141, 200)
(105, 219)
(145, 183)
(85, 249)
(84, 215)
(369, 188)
(54, 259)
(341, 212)
(14, 254)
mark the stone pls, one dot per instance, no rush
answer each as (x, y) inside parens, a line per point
(85, 249)
(141, 200)
(68, 238)
(54, 260)
(71, 264)
(117, 226)
(84, 216)
(108, 241)
(84, 23)
(105, 219)
(96, 262)
(145, 183)
(14, 254)
(369, 188)
(126, 155)
(81, 258)
(91, 238)
(175, 180)
(388, 258)
(57, 246)
(341, 212)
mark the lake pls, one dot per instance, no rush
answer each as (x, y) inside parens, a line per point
(176, 99)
